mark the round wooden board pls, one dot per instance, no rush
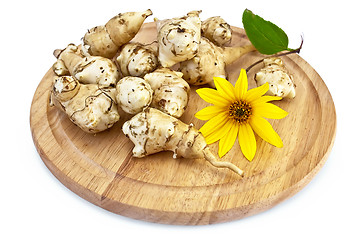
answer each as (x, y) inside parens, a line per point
(100, 168)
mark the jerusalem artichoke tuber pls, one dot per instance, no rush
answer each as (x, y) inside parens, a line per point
(105, 40)
(85, 68)
(217, 30)
(60, 69)
(210, 61)
(153, 131)
(135, 59)
(133, 94)
(163, 89)
(280, 82)
(170, 91)
(91, 108)
(178, 38)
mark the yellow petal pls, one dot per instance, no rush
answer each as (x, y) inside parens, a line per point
(255, 93)
(225, 88)
(213, 124)
(264, 129)
(241, 85)
(268, 110)
(227, 141)
(265, 99)
(219, 132)
(247, 141)
(209, 112)
(212, 96)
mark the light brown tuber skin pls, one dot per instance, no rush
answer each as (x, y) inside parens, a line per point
(280, 81)
(178, 38)
(210, 61)
(91, 108)
(133, 94)
(163, 89)
(153, 131)
(136, 59)
(105, 40)
(170, 91)
(85, 68)
(217, 30)
(60, 69)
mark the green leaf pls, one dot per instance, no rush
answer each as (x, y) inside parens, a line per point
(265, 36)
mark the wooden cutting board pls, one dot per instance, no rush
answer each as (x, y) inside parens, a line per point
(100, 168)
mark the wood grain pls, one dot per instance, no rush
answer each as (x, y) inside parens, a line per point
(100, 168)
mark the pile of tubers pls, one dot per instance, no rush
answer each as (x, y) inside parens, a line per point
(152, 82)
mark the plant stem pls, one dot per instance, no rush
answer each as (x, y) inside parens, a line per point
(278, 55)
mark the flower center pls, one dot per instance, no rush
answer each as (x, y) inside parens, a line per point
(240, 111)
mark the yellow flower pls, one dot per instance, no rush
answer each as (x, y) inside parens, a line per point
(238, 112)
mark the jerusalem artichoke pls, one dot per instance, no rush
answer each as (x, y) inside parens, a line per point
(105, 40)
(280, 82)
(135, 59)
(210, 61)
(153, 131)
(133, 94)
(86, 69)
(178, 38)
(216, 30)
(170, 91)
(91, 108)
(60, 69)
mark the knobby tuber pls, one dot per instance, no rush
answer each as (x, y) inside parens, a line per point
(210, 61)
(153, 131)
(59, 68)
(170, 91)
(105, 40)
(217, 30)
(280, 82)
(133, 94)
(75, 61)
(178, 38)
(136, 59)
(91, 108)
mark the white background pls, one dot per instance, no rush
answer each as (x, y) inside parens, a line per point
(35, 205)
